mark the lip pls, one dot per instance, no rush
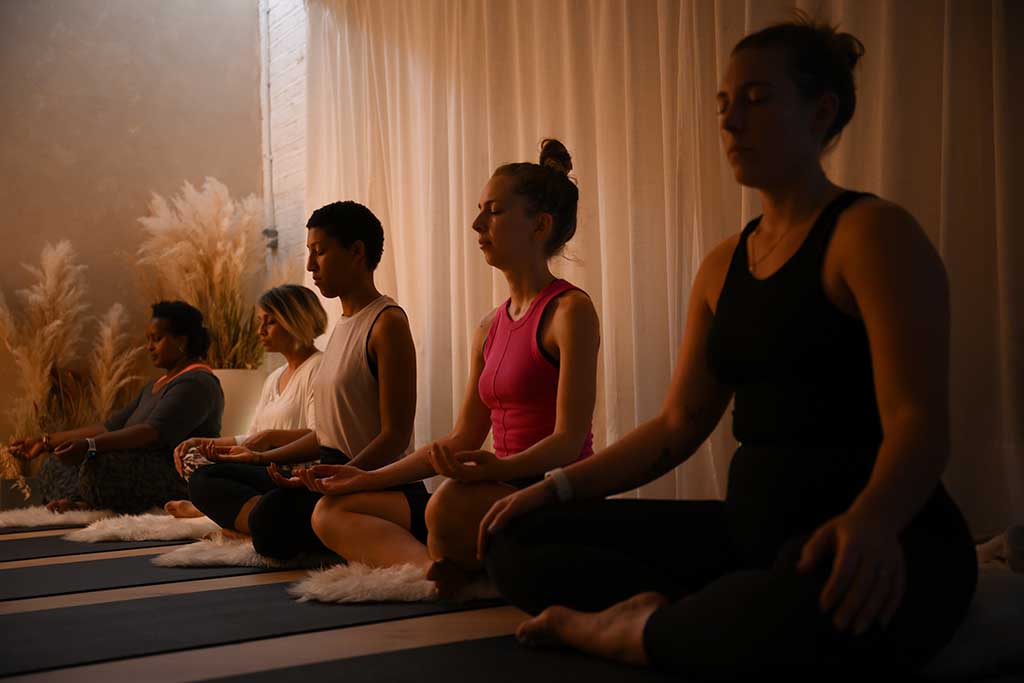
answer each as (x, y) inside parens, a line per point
(736, 149)
(484, 245)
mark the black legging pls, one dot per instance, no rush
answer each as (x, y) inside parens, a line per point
(280, 520)
(737, 606)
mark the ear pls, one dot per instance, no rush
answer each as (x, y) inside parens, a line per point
(543, 224)
(825, 112)
(358, 250)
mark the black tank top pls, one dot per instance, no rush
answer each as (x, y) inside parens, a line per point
(800, 367)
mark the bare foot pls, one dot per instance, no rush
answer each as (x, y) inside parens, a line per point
(617, 633)
(182, 509)
(449, 578)
(65, 505)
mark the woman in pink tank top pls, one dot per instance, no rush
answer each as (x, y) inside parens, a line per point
(533, 383)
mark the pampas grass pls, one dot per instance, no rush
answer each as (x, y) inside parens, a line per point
(203, 247)
(112, 363)
(43, 340)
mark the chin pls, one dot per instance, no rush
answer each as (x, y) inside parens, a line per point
(747, 177)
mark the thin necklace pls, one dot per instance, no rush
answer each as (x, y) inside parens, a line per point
(752, 266)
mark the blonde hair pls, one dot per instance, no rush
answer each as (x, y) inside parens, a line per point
(297, 310)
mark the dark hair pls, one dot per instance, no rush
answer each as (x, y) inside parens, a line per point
(350, 222)
(820, 60)
(186, 321)
(547, 187)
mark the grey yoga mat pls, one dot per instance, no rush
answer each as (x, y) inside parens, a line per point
(94, 575)
(495, 660)
(45, 527)
(69, 636)
(53, 546)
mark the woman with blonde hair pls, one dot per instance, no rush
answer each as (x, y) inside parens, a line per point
(290, 318)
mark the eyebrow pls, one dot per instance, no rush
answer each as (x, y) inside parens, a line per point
(743, 86)
(486, 201)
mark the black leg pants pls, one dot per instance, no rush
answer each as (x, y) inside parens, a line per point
(737, 606)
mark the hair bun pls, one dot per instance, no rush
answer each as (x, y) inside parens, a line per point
(848, 49)
(553, 154)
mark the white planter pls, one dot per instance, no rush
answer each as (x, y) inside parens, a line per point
(241, 394)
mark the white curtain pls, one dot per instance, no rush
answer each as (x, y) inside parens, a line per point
(412, 104)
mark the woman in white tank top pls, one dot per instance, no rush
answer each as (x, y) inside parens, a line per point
(290, 318)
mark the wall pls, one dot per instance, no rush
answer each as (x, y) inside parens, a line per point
(287, 76)
(104, 103)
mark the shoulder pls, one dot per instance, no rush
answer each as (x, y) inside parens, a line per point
(391, 320)
(483, 328)
(197, 382)
(874, 231)
(312, 363)
(573, 308)
(710, 277)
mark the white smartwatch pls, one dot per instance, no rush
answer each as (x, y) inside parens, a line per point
(563, 489)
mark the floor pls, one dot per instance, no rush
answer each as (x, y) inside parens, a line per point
(249, 656)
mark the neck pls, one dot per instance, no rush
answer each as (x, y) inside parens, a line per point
(525, 284)
(180, 365)
(796, 201)
(358, 297)
(297, 358)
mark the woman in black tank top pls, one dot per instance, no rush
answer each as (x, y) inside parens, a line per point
(837, 551)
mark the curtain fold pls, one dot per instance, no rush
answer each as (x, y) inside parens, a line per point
(411, 104)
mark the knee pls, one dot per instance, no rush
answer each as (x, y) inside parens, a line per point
(447, 509)
(327, 513)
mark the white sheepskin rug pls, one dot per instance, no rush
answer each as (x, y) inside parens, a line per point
(39, 516)
(148, 527)
(355, 582)
(221, 552)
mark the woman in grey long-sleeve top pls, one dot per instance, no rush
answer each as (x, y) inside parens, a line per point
(126, 464)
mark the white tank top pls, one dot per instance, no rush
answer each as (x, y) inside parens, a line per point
(288, 409)
(346, 395)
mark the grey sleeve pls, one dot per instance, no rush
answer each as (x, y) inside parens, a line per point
(185, 405)
(118, 419)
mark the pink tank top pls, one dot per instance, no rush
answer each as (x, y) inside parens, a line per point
(519, 382)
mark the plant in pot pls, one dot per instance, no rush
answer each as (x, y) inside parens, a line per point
(205, 248)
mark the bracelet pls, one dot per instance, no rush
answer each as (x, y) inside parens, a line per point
(46, 441)
(91, 451)
(563, 489)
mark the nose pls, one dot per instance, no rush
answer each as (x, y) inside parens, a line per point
(478, 223)
(310, 263)
(733, 117)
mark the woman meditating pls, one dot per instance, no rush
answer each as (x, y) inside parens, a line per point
(126, 464)
(837, 550)
(290, 318)
(364, 397)
(532, 382)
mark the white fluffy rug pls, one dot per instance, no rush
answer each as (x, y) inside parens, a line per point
(356, 582)
(220, 552)
(148, 527)
(40, 516)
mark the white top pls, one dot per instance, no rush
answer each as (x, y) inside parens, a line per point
(346, 396)
(288, 409)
